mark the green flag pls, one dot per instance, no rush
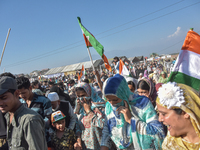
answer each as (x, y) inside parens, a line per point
(90, 39)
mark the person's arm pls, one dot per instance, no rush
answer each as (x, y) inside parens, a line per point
(93, 117)
(47, 110)
(147, 128)
(34, 132)
(72, 117)
(78, 145)
(105, 139)
(47, 107)
(96, 73)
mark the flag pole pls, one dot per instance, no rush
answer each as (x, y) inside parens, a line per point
(92, 62)
(91, 58)
(5, 45)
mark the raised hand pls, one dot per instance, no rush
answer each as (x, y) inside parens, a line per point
(126, 112)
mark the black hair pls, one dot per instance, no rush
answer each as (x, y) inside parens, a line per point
(36, 81)
(8, 74)
(95, 84)
(150, 72)
(131, 83)
(80, 89)
(51, 83)
(71, 81)
(178, 111)
(117, 58)
(143, 85)
(86, 81)
(33, 84)
(60, 83)
(23, 82)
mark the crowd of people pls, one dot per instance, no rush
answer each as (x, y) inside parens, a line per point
(102, 111)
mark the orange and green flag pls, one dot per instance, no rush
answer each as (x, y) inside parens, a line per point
(90, 41)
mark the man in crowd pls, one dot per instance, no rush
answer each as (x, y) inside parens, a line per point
(65, 108)
(3, 142)
(71, 91)
(25, 127)
(116, 64)
(38, 103)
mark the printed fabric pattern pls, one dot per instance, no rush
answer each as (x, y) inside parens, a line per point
(66, 142)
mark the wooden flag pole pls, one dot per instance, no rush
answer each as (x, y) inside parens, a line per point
(5, 45)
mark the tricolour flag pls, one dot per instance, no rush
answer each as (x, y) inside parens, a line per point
(187, 67)
(91, 41)
(123, 69)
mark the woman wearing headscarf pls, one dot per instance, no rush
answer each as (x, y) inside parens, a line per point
(163, 77)
(132, 83)
(146, 74)
(131, 121)
(146, 88)
(178, 106)
(90, 109)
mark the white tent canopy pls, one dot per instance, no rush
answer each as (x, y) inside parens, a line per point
(72, 67)
(86, 64)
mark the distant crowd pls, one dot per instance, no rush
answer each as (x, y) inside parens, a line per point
(101, 111)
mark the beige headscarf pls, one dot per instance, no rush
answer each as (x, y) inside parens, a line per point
(192, 107)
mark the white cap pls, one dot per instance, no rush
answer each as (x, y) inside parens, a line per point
(53, 96)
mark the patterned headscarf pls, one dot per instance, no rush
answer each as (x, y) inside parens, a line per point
(118, 87)
(96, 100)
(191, 106)
(135, 81)
(152, 90)
(86, 87)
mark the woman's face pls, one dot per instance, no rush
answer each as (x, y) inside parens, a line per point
(81, 93)
(113, 99)
(163, 75)
(131, 87)
(143, 92)
(177, 124)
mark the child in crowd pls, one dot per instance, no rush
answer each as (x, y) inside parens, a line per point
(62, 138)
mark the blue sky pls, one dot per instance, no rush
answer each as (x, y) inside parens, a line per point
(46, 34)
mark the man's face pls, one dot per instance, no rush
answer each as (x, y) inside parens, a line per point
(55, 104)
(8, 101)
(25, 93)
